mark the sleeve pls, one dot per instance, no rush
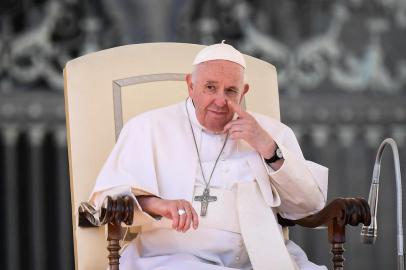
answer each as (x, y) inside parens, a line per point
(129, 170)
(301, 184)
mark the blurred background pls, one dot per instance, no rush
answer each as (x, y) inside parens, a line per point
(342, 79)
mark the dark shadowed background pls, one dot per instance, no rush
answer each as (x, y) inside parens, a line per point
(342, 80)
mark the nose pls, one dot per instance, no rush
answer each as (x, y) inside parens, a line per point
(220, 99)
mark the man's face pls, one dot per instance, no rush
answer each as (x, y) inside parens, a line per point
(213, 83)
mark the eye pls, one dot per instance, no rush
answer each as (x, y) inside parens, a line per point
(210, 87)
(231, 91)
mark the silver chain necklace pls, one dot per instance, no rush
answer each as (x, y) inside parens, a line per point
(205, 198)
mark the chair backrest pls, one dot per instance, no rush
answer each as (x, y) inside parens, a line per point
(104, 89)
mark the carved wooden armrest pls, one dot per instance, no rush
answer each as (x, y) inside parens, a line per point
(112, 213)
(336, 215)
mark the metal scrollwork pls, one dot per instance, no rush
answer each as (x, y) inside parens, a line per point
(34, 50)
(352, 47)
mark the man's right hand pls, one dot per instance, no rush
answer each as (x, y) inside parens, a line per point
(169, 209)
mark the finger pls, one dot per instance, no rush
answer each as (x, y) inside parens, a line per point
(236, 135)
(175, 217)
(195, 219)
(233, 123)
(236, 128)
(182, 218)
(237, 109)
(188, 217)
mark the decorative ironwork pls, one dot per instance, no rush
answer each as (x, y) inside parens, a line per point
(37, 40)
(350, 46)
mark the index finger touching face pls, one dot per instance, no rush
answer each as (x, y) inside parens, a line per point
(235, 107)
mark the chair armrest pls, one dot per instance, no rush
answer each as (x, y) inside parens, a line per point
(112, 213)
(336, 215)
(352, 211)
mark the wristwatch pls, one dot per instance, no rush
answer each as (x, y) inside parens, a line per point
(277, 156)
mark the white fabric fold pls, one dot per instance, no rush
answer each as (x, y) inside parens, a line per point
(263, 240)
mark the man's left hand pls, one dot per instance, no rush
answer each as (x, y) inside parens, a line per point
(247, 128)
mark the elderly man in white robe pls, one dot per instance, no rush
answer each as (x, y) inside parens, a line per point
(209, 178)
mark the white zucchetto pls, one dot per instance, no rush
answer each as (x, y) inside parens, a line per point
(220, 51)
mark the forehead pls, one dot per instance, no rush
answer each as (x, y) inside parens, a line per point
(219, 70)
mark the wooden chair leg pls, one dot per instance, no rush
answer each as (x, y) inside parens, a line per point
(113, 237)
(336, 235)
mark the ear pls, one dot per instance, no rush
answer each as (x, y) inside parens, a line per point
(244, 91)
(189, 84)
(246, 88)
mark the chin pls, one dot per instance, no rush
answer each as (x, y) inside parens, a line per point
(215, 128)
(215, 123)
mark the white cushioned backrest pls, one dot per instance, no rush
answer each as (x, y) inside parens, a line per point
(106, 88)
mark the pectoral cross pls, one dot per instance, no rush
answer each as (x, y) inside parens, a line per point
(205, 199)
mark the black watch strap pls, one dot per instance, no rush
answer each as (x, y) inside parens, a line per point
(277, 156)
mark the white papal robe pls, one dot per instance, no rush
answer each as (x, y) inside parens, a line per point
(155, 154)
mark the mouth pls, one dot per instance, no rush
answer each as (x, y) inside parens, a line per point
(218, 112)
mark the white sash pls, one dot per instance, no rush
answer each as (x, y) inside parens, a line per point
(260, 231)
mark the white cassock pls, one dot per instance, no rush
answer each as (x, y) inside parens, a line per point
(156, 155)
